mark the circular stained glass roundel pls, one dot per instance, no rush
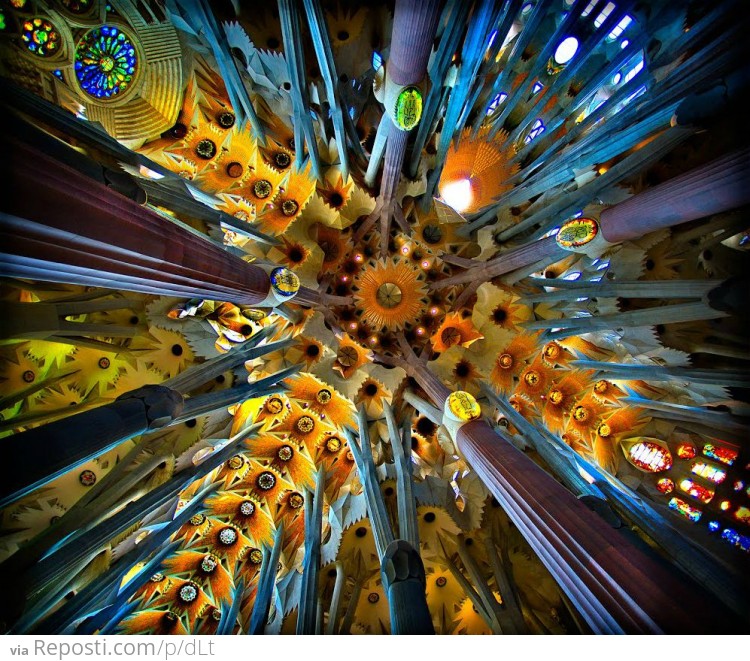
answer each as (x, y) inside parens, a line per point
(40, 37)
(284, 282)
(408, 110)
(106, 62)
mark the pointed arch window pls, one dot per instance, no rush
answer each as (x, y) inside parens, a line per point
(537, 129)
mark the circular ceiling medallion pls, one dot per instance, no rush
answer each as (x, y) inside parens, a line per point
(389, 295)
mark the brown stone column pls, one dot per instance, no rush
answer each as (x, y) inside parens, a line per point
(414, 25)
(614, 585)
(518, 258)
(60, 226)
(718, 186)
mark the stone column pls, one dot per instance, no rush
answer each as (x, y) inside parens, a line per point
(404, 580)
(614, 585)
(61, 226)
(39, 455)
(717, 186)
(414, 25)
(401, 566)
(517, 258)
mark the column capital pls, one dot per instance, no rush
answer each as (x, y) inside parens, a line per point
(162, 404)
(402, 562)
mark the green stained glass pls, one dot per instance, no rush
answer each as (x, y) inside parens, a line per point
(408, 109)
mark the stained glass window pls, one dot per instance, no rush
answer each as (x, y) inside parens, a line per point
(732, 536)
(105, 62)
(603, 15)
(566, 50)
(696, 490)
(41, 37)
(685, 509)
(619, 28)
(724, 455)
(665, 485)
(77, 6)
(537, 129)
(499, 98)
(650, 457)
(708, 472)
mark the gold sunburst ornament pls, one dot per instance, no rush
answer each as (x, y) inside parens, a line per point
(390, 294)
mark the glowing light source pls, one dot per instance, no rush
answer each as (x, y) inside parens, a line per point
(566, 50)
(458, 194)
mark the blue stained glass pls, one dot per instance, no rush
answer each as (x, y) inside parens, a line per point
(732, 536)
(106, 62)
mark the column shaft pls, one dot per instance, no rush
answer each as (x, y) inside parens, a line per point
(614, 585)
(414, 25)
(62, 226)
(718, 186)
(518, 258)
(38, 455)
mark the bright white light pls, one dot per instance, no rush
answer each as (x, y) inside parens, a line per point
(616, 78)
(149, 173)
(586, 475)
(566, 50)
(634, 71)
(457, 194)
(619, 28)
(605, 12)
